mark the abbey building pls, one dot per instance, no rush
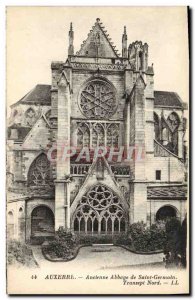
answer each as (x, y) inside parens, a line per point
(101, 100)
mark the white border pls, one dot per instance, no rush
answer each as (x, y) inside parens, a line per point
(3, 4)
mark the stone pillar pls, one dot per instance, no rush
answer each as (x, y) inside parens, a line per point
(149, 116)
(180, 141)
(62, 202)
(138, 195)
(128, 88)
(140, 202)
(127, 125)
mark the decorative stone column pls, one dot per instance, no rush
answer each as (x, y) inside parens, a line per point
(62, 201)
(138, 188)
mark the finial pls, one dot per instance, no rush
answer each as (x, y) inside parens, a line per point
(71, 39)
(98, 19)
(125, 30)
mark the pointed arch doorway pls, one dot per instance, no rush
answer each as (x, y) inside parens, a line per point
(100, 211)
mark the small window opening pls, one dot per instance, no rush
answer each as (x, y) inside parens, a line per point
(158, 175)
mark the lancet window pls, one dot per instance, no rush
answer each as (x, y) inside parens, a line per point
(98, 135)
(92, 134)
(166, 131)
(83, 135)
(40, 172)
(30, 117)
(113, 135)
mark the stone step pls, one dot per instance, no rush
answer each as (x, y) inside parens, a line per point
(102, 247)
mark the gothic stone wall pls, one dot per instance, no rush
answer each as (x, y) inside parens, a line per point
(172, 169)
(16, 213)
(22, 109)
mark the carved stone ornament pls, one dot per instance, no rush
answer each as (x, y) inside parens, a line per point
(100, 211)
(98, 100)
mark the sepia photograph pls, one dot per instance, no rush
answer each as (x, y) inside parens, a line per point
(97, 150)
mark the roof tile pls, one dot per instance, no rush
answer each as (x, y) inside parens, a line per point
(162, 98)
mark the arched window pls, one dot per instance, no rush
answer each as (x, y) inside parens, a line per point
(10, 224)
(30, 117)
(40, 173)
(113, 135)
(100, 211)
(98, 135)
(169, 132)
(10, 218)
(173, 121)
(83, 135)
(156, 127)
(173, 124)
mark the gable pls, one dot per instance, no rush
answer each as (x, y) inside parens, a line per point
(97, 44)
(99, 173)
(38, 137)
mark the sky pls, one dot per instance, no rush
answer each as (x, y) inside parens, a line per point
(36, 36)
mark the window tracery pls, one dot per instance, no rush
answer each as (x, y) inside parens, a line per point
(40, 172)
(113, 135)
(173, 121)
(83, 135)
(98, 100)
(98, 135)
(166, 132)
(92, 134)
(169, 132)
(100, 211)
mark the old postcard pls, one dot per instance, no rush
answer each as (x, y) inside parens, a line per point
(97, 150)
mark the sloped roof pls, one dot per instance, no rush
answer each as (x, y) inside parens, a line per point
(162, 98)
(98, 35)
(167, 192)
(40, 94)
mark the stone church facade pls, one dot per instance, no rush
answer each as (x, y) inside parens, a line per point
(97, 98)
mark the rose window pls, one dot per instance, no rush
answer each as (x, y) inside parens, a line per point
(98, 100)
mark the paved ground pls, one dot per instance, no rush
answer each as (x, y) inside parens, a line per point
(87, 259)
